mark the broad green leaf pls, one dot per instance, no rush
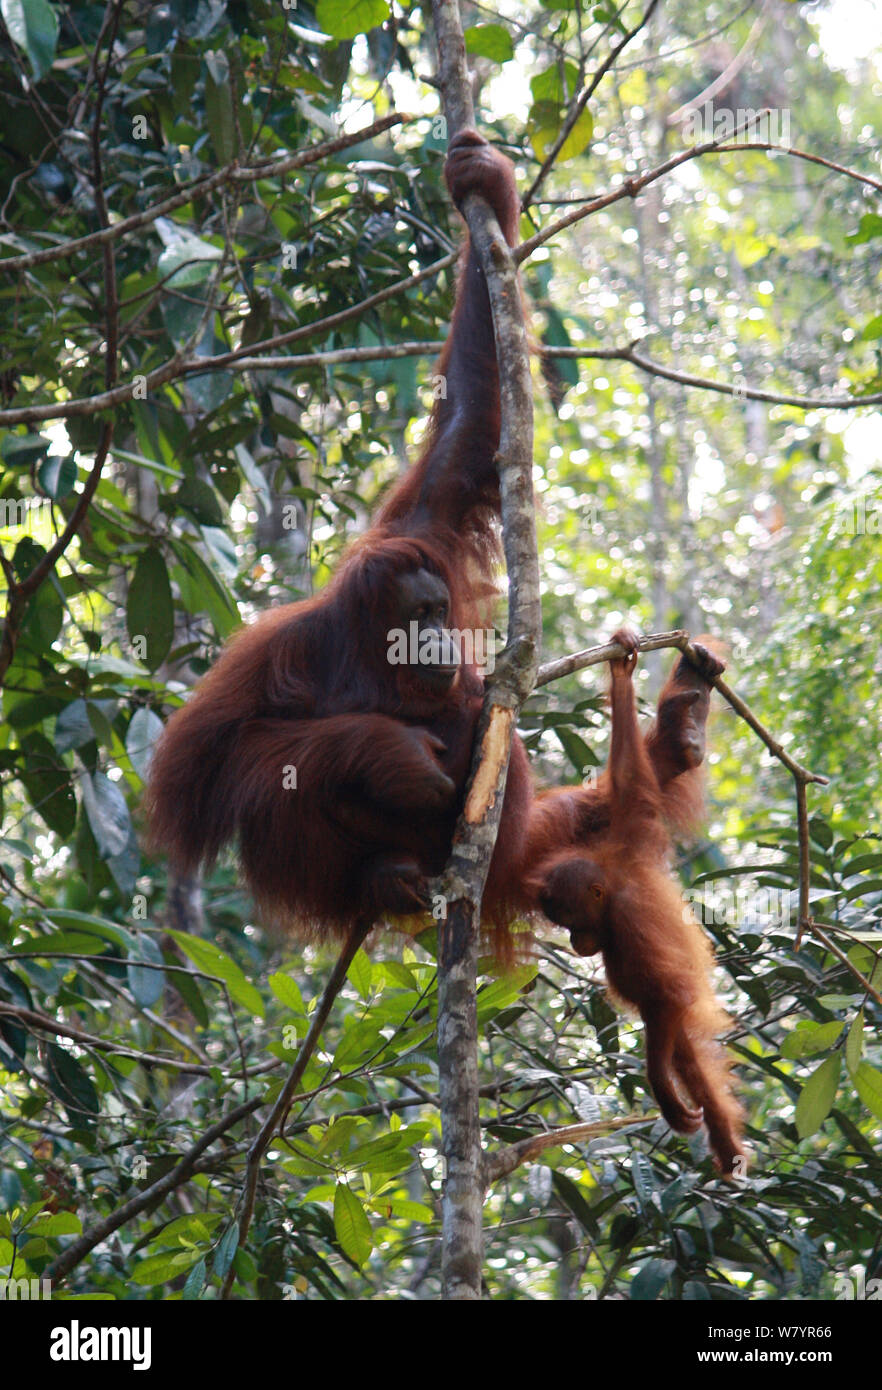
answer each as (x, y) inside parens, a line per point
(195, 1282)
(150, 610)
(107, 812)
(227, 1247)
(817, 1096)
(48, 784)
(359, 1040)
(505, 990)
(219, 107)
(213, 961)
(546, 126)
(33, 27)
(360, 972)
(144, 729)
(345, 19)
(809, 1038)
(67, 943)
(206, 592)
(73, 1086)
(72, 727)
(57, 475)
(102, 927)
(160, 1269)
(146, 985)
(61, 1223)
(555, 84)
(870, 226)
(197, 497)
(868, 1084)
(854, 1043)
(352, 1225)
(287, 991)
(650, 1279)
(489, 41)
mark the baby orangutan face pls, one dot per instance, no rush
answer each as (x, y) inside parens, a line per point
(574, 896)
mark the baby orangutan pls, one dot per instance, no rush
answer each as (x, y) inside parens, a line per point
(615, 895)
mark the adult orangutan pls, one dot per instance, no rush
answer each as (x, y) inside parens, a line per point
(340, 774)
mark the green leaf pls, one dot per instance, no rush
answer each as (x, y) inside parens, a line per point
(213, 961)
(870, 226)
(868, 1084)
(107, 813)
(854, 1043)
(287, 991)
(144, 729)
(352, 1225)
(197, 497)
(817, 1096)
(873, 329)
(576, 749)
(70, 920)
(227, 1247)
(360, 972)
(219, 107)
(546, 126)
(206, 591)
(195, 1282)
(71, 1083)
(61, 1223)
(359, 1040)
(555, 84)
(160, 1269)
(72, 727)
(47, 782)
(150, 610)
(33, 26)
(344, 19)
(57, 475)
(504, 991)
(146, 985)
(650, 1279)
(489, 41)
(809, 1038)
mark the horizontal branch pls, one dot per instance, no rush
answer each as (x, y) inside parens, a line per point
(499, 1165)
(593, 656)
(179, 368)
(231, 173)
(44, 1024)
(331, 321)
(703, 383)
(630, 187)
(336, 356)
(246, 359)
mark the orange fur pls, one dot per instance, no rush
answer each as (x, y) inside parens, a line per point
(616, 895)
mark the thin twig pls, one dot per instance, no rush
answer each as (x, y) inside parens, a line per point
(637, 182)
(46, 1024)
(199, 188)
(703, 383)
(831, 946)
(581, 101)
(276, 1117)
(593, 656)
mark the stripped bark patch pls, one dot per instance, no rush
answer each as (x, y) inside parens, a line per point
(494, 754)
